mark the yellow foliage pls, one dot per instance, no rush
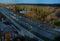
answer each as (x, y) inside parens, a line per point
(40, 10)
(29, 14)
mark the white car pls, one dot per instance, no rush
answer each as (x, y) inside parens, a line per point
(57, 29)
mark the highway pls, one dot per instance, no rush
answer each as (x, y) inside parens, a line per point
(28, 28)
(30, 24)
(25, 32)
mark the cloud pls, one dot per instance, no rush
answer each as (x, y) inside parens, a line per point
(7, 1)
(30, 1)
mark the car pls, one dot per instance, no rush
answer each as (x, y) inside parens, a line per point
(57, 29)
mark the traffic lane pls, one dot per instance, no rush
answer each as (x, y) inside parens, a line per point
(41, 32)
(22, 27)
(34, 25)
(40, 28)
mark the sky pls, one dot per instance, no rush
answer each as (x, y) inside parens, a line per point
(30, 1)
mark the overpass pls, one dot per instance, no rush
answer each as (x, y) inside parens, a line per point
(30, 29)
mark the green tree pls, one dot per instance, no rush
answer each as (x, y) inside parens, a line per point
(57, 23)
(17, 10)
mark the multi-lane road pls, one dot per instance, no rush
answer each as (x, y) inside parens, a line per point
(19, 29)
(25, 27)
